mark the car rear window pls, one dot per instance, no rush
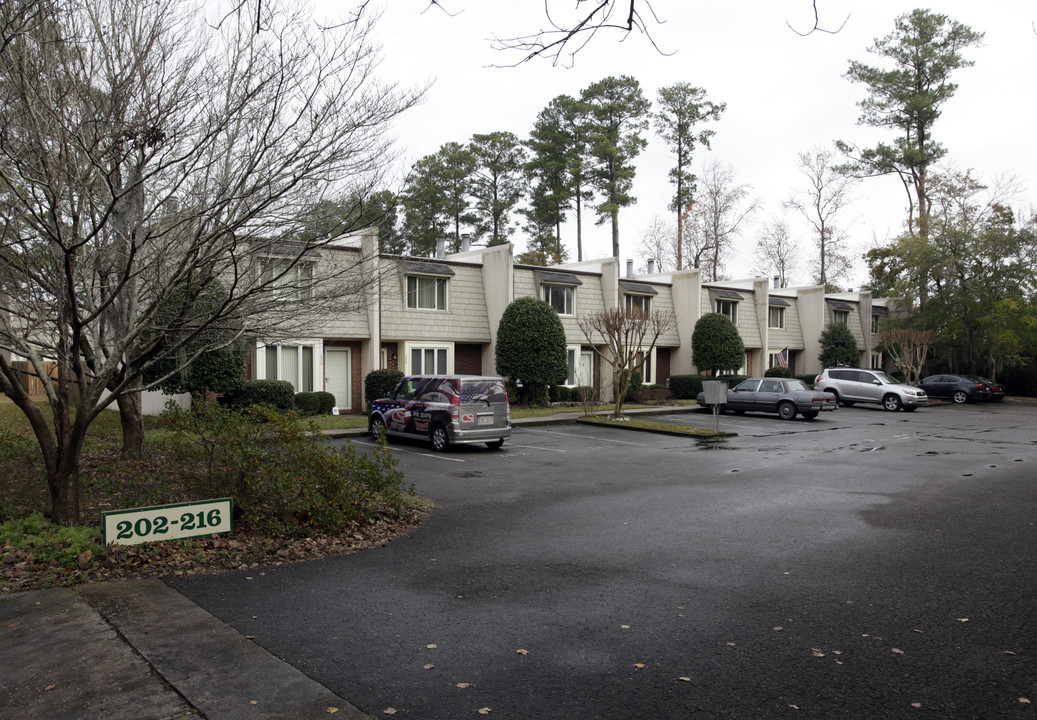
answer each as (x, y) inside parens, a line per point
(477, 390)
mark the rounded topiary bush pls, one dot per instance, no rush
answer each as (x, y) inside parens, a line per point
(716, 345)
(307, 403)
(778, 371)
(531, 346)
(326, 400)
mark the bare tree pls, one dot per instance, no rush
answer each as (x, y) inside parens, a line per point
(155, 164)
(775, 252)
(623, 338)
(571, 27)
(659, 243)
(826, 195)
(908, 348)
(716, 218)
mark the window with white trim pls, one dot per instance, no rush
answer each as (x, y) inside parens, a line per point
(639, 303)
(560, 297)
(876, 361)
(875, 324)
(429, 360)
(646, 368)
(841, 316)
(426, 293)
(294, 363)
(289, 280)
(728, 308)
(776, 318)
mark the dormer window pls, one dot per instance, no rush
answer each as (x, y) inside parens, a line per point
(560, 297)
(558, 290)
(426, 284)
(637, 297)
(425, 293)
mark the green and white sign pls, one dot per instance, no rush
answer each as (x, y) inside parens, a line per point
(167, 522)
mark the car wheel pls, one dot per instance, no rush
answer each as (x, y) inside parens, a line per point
(809, 415)
(960, 397)
(378, 427)
(786, 411)
(496, 444)
(438, 437)
(891, 403)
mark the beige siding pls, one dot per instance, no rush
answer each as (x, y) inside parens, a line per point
(791, 335)
(350, 321)
(587, 300)
(853, 322)
(748, 327)
(463, 321)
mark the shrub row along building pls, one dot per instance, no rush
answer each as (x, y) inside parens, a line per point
(441, 316)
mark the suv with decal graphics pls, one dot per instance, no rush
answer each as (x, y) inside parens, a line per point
(446, 409)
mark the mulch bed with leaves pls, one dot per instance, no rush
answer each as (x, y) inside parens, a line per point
(197, 556)
(112, 483)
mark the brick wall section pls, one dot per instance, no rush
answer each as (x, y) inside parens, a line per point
(468, 359)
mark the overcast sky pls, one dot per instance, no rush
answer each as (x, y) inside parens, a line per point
(784, 93)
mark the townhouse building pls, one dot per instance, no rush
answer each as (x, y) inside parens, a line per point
(441, 314)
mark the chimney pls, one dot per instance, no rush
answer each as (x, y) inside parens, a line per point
(440, 248)
(630, 269)
(651, 266)
(777, 280)
(466, 242)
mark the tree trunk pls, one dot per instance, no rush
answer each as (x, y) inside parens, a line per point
(132, 420)
(615, 233)
(579, 228)
(63, 483)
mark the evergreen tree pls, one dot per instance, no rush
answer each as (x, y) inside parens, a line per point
(925, 48)
(838, 346)
(496, 182)
(617, 114)
(680, 108)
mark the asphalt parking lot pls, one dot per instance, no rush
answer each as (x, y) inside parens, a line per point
(862, 565)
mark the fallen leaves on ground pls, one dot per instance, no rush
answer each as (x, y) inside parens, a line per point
(245, 550)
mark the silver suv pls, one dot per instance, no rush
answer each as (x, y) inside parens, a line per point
(446, 409)
(854, 385)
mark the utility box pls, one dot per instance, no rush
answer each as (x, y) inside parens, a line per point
(716, 392)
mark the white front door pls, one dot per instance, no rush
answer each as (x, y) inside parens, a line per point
(338, 380)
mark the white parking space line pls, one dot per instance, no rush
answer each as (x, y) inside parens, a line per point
(584, 437)
(437, 456)
(536, 447)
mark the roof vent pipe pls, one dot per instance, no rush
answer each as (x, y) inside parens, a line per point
(466, 242)
(630, 269)
(440, 248)
(777, 280)
(651, 266)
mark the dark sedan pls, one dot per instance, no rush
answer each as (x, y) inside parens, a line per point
(785, 396)
(997, 390)
(957, 388)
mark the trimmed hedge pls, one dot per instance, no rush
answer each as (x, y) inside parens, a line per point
(380, 383)
(584, 393)
(326, 400)
(277, 394)
(686, 387)
(307, 403)
(778, 371)
(560, 393)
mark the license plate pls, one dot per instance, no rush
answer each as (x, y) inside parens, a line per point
(487, 420)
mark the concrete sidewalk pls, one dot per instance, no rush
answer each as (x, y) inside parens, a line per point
(138, 650)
